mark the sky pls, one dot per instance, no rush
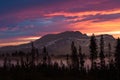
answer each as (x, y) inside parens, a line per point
(22, 21)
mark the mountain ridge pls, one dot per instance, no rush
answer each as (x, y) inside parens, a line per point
(59, 43)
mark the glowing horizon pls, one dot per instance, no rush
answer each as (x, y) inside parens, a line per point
(29, 39)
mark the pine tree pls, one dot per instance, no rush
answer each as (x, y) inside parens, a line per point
(5, 65)
(45, 55)
(111, 61)
(49, 60)
(102, 56)
(109, 50)
(93, 50)
(74, 57)
(81, 57)
(67, 60)
(22, 61)
(117, 54)
(117, 58)
(33, 52)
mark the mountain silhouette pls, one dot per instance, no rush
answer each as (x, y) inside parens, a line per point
(59, 44)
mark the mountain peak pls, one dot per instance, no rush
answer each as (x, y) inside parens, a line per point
(72, 34)
(62, 35)
(77, 32)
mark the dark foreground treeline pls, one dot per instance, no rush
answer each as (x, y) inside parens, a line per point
(29, 68)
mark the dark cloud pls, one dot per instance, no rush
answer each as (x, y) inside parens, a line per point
(8, 6)
(35, 26)
(11, 6)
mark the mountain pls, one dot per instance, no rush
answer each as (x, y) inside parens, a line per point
(60, 44)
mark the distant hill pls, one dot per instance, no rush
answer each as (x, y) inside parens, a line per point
(60, 44)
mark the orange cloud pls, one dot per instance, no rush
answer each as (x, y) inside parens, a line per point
(79, 14)
(107, 27)
(89, 26)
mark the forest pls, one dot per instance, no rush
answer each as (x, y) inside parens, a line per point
(28, 66)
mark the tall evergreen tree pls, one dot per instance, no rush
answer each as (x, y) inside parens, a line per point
(5, 65)
(33, 52)
(109, 49)
(74, 57)
(45, 55)
(22, 61)
(67, 60)
(117, 54)
(102, 56)
(81, 57)
(109, 55)
(49, 60)
(93, 50)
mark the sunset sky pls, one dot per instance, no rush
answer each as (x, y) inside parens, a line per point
(22, 21)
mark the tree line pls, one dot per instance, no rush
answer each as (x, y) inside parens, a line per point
(29, 65)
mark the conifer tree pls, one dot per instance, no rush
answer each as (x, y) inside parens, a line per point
(67, 60)
(93, 50)
(49, 60)
(33, 52)
(102, 56)
(109, 50)
(81, 57)
(117, 54)
(45, 55)
(74, 57)
(111, 61)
